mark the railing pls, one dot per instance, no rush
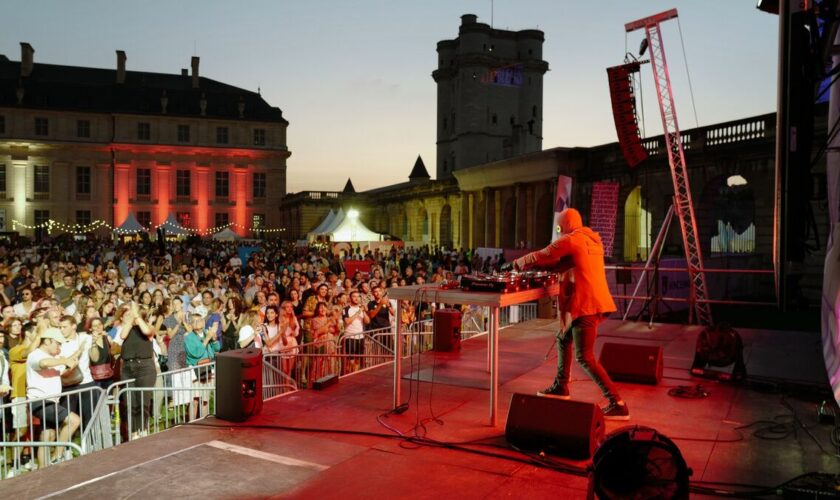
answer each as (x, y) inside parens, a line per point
(123, 412)
(748, 129)
(669, 284)
(56, 430)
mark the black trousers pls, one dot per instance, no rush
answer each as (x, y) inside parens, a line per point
(583, 333)
(139, 403)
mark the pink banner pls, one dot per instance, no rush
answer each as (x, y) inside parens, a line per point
(562, 201)
(603, 213)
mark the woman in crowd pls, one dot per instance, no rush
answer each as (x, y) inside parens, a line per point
(100, 355)
(289, 329)
(180, 379)
(273, 339)
(201, 346)
(230, 323)
(251, 331)
(324, 329)
(297, 304)
(138, 363)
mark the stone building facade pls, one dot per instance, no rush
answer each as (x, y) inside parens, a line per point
(79, 145)
(489, 95)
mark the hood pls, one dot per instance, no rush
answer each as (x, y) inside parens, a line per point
(589, 233)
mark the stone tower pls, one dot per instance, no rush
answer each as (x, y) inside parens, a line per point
(490, 95)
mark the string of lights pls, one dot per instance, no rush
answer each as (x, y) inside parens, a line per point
(77, 229)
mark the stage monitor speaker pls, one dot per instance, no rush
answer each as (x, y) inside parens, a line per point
(238, 384)
(447, 330)
(555, 426)
(624, 113)
(641, 364)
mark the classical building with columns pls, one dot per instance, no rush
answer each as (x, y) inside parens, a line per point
(80, 144)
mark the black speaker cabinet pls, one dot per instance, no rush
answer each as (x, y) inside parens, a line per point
(238, 384)
(641, 364)
(559, 427)
(447, 330)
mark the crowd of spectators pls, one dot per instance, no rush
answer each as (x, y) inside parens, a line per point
(78, 314)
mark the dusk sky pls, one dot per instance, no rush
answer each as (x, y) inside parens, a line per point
(354, 77)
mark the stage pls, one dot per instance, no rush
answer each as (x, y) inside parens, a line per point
(448, 397)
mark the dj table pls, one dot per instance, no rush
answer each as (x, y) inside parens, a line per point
(431, 293)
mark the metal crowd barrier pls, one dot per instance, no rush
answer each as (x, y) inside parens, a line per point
(26, 426)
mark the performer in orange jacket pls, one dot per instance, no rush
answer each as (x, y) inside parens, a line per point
(580, 248)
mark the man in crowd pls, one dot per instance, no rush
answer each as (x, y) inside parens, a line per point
(44, 367)
(355, 318)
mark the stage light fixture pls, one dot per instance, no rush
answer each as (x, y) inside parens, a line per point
(639, 462)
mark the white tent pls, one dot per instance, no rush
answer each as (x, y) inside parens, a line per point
(324, 224)
(339, 218)
(131, 225)
(173, 228)
(226, 234)
(352, 229)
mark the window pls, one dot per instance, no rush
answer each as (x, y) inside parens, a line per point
(42, 181)
(144, 218)
(144, 182)
(258, 223)
(41, 218)
(222, 184)
(259, 185)
(182, 183)
(83, 217)
(2, 124)
(144, 131)
(83, 128)
(42, 126)
(734, 211)
(259, 137)
(183, 133)
(222, 219)
(83, 181)
(637, 225)
(221, 135)
(2, 178)
(183, 219)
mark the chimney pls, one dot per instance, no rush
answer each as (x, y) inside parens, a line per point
(27, 59)
(121, 66)
(194, 63)
(185, 72)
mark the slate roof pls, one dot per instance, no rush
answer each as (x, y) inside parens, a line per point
(58, 87)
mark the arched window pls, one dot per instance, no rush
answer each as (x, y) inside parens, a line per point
(446, 226)
(424, 224)
(637, 222)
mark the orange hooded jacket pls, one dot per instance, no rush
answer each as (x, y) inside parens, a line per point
(583, 248)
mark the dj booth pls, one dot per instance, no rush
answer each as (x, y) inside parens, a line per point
(492, 300)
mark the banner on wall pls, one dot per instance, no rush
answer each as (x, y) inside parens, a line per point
(603, 213)
(562, 201)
